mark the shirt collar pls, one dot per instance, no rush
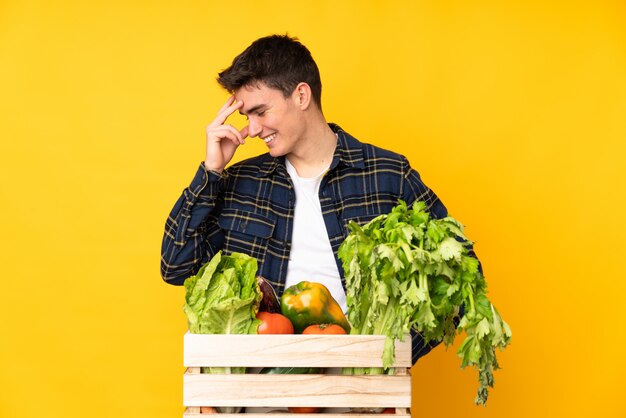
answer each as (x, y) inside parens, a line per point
(268, 165)
(349, 151)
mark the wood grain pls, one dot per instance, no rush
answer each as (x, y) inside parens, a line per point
(290, 350)
(189, 414)
(284, 390)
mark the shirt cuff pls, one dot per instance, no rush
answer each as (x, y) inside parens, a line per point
(203, 178)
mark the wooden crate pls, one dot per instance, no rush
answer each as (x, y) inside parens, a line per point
(281, 391)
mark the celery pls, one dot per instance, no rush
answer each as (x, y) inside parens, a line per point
(405, 271)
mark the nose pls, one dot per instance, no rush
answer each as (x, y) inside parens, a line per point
(254, 127)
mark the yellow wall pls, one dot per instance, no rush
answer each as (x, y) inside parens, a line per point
(513, 112)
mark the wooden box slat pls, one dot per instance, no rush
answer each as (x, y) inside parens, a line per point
(290, 350)
(189, 413)
(275, 391)
(261, 390)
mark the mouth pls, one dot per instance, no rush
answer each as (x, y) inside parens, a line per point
(269, 138)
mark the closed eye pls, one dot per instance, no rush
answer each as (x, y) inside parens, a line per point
(258, 110)
(259, 114)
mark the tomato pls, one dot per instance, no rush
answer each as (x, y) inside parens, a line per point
(274, 323)
(324, 329)
(303, 409)
(208, 410)
(389, 411)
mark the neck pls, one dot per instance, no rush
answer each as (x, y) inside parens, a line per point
(316, 151)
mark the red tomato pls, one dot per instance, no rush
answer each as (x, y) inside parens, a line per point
(208, 410)
(274, 323)
(389, 411)
(303, 409)
(324, 329)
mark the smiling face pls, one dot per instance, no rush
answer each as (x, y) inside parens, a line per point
(277, 120)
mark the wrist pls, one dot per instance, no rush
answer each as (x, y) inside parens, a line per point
(217, 170)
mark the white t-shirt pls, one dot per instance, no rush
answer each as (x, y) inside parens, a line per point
(311, 257)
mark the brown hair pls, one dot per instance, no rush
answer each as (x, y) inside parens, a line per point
(279, 62)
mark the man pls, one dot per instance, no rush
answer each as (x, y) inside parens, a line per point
(288, 208)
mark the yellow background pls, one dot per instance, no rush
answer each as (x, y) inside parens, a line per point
(513, 112)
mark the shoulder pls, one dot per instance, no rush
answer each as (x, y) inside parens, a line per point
(373, 156)
(250, 166)
(375, 152)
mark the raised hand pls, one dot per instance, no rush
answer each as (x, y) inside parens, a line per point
(223, 139)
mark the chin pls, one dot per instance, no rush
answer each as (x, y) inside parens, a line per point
(274, 152)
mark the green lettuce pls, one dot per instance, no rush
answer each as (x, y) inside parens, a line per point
(223, 298)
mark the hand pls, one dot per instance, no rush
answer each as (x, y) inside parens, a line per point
(222, 140)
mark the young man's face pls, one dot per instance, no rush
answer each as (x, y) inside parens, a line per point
(272, 117)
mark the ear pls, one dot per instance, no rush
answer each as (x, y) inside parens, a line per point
(302, 96)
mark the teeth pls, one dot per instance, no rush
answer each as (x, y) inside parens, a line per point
(269, 138)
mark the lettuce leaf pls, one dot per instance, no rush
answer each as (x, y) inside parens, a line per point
(224, 296)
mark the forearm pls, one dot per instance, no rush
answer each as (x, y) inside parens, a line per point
(185, 245)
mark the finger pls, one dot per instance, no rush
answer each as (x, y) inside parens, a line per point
(230, 101)
(224, 114)
(244, 132)
(235, 131)
(222, 131)
(219, 137)
(242, 138)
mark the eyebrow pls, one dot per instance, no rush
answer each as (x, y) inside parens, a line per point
(252, 109)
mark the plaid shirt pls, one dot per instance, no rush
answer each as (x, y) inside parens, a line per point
(249, 209)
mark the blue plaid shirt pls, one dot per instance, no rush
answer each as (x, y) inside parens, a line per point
(249, 208)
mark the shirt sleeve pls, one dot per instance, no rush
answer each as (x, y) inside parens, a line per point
(413, 189)
(186, 245)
